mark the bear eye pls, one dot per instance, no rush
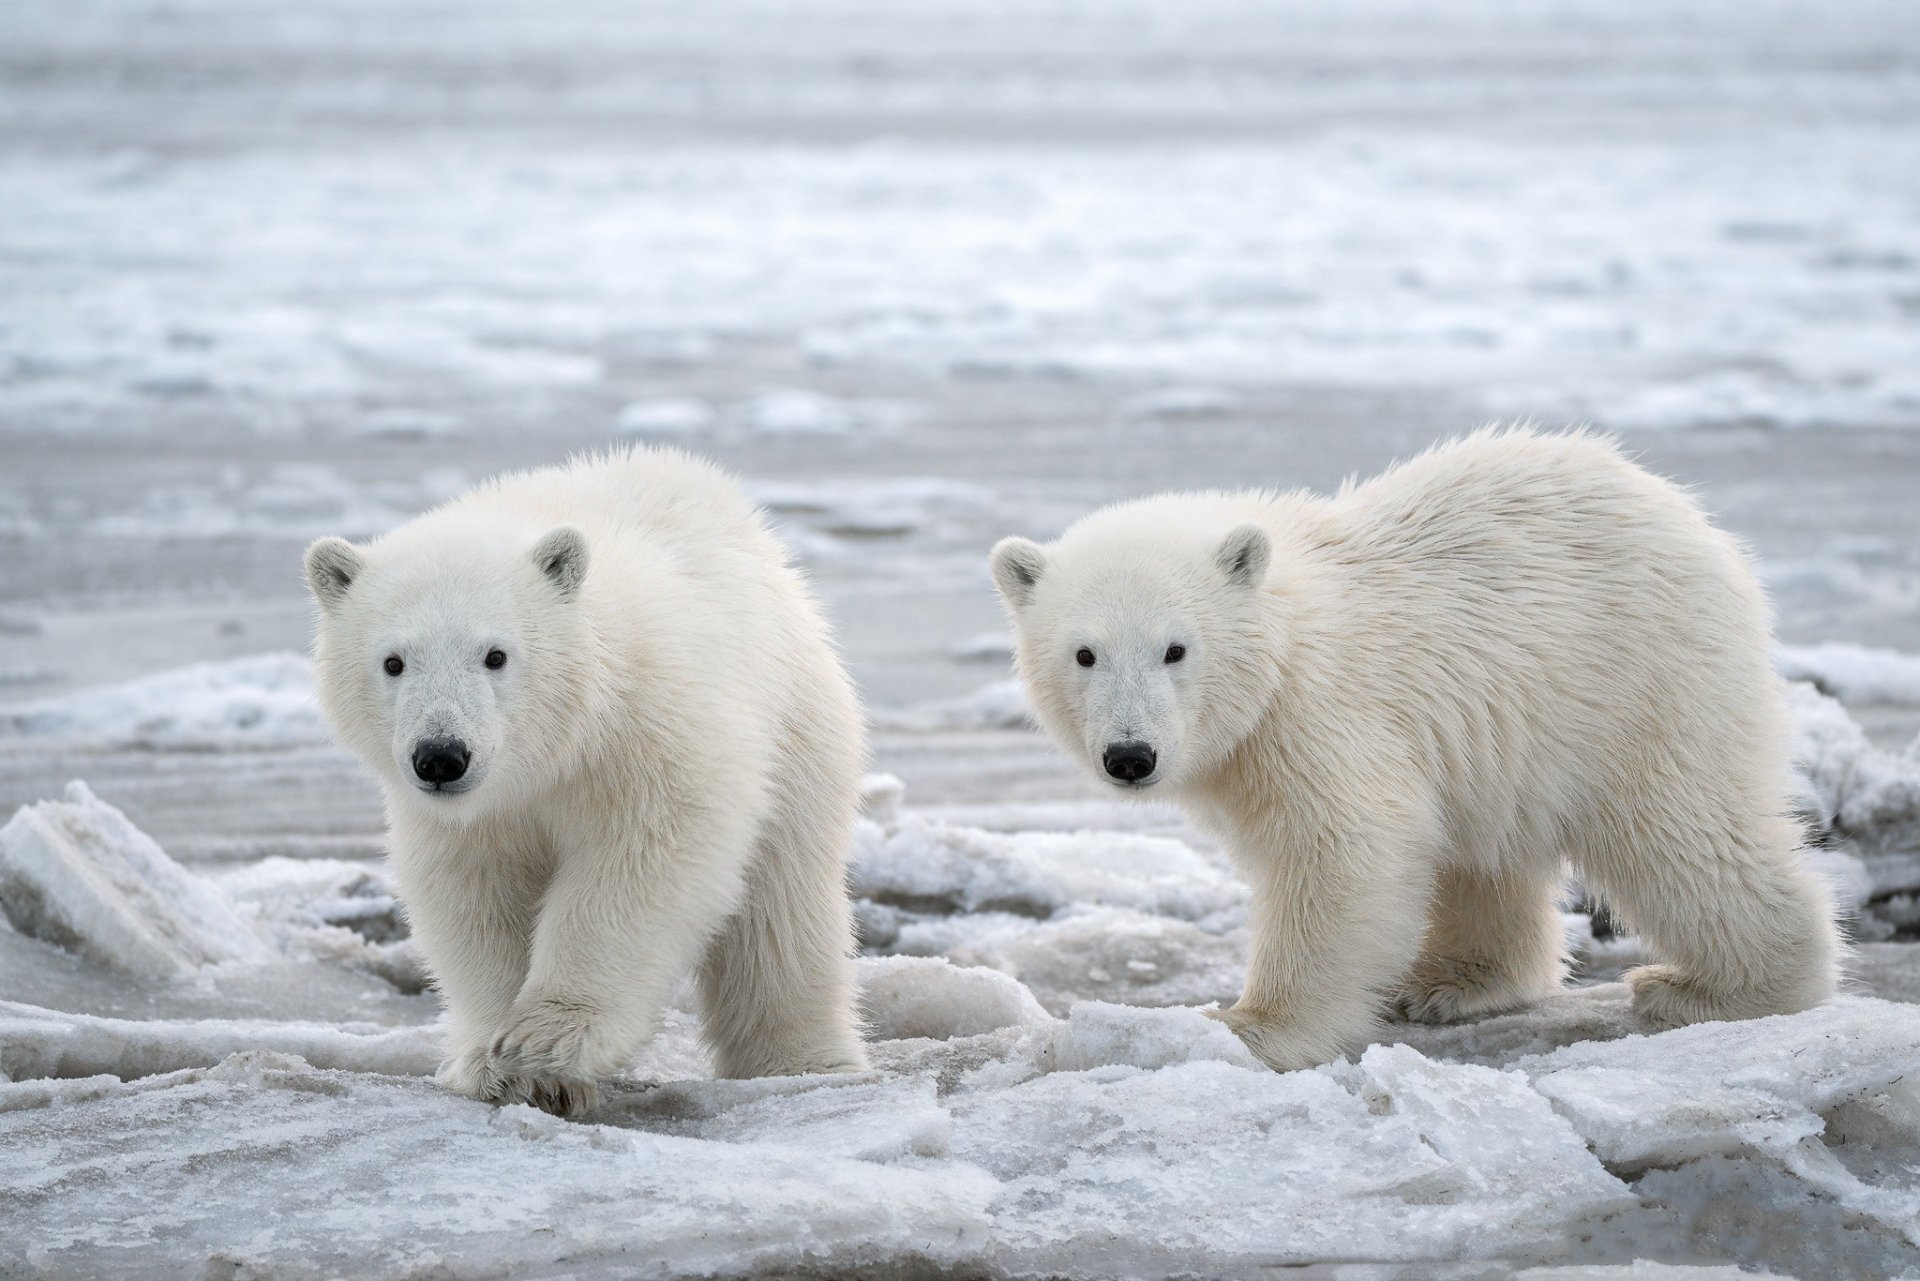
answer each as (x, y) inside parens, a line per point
(496, 659)
(1084, 657)
(1176, 652)
(393, 665)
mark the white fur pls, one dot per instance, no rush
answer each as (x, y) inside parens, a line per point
(1514, 650)
(666, 770)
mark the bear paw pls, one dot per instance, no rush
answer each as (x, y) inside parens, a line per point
(1459, 991)
(466, 1072)
(548, 1054)
(562, 1098)
(477, 1074)
(737, 1065)
(1271, 1040)
(1663, 997)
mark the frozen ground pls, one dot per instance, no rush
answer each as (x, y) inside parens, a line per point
(923, 272)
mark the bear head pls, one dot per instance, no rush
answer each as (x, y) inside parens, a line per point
(452, 656)
(1144, 640)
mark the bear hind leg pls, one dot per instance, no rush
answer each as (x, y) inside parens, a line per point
(1742, 928)
(776, 986)
(1494, 943)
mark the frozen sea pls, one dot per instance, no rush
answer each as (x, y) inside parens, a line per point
(922, 272)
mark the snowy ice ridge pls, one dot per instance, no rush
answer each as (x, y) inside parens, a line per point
(1044, 1102)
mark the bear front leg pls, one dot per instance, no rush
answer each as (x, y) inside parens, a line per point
(471, 909)
(617, 930)
(1336, 922)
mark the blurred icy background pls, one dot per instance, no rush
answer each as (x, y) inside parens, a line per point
(923, 272)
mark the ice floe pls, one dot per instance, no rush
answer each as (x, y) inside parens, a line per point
(264, 700)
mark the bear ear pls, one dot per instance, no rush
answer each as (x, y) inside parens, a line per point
(561, 555)
(332, 564)
(1243, 556)
(1017, 565)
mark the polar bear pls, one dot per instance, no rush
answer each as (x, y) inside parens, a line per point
(1402, 707)
(616, 744)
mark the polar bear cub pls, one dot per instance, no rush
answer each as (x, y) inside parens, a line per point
(1403, 707)
(616, 745)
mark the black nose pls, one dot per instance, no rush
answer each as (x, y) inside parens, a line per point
(1128, 762)
(440, 760)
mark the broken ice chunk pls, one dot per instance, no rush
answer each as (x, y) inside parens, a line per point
(928, 996)
(77, 874)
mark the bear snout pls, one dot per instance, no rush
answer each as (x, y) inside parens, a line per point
(439, 761)
(1129, 762)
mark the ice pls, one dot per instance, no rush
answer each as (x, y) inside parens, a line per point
(1757, 1086)
(861, 1118)
(1096, 1034)
(1865, 796)
(987, 647)
(1853, 673)
(1112, 1140)
(372, 1176)
(1121, 1171)
(1037, 873)
(916, 996)
(1179, 403)
(868, 509)
(1088, 951)
(35, 1042)
(76, 873)
(791, 411)
(265, 700)
(289, 501)
(1827, 1096)
(923, 274)
(399, 424)
(328, 910)
(999, 705)
(1290, 257)
(676, 417)
(1646, 1270)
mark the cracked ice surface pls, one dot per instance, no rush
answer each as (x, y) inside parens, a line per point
(992, 1136)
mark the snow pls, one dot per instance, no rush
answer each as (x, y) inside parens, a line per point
(928, 996)
(1645, 1270)
(1096, 1034)
(1223, 262)
(35, 1042)
(265, 700)
(1865, 797)
(1759, 1086)
(791, 411)
(675, 417)
(414, 1180)
(297, 501)
(1855, 673)
(403, 424)
(999, 704)
(1014, 1165)
(1036, 874)
(1178, 403)
(75, 872)
(999, 1131)
(987, 647)
(922, 274)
